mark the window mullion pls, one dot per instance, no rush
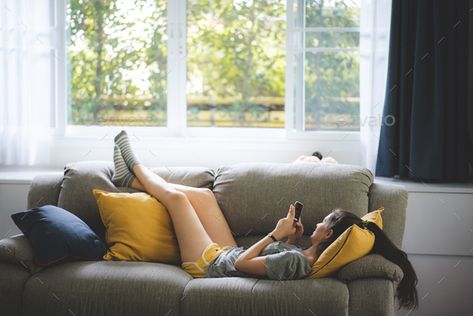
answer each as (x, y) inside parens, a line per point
(290, 54)
(176, 101)
(300, 119)
(61, 70)
(182, 56)
(295, 85)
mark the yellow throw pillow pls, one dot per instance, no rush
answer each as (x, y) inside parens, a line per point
(354, 243)
(138, 227)
(375, 217)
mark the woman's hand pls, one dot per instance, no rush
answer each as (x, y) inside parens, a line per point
(285, 226)
(293, 238)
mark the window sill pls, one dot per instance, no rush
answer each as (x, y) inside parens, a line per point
(232, 134)
(423, 187)
(23, 175)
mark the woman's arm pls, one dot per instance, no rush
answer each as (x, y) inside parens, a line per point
(249, 261)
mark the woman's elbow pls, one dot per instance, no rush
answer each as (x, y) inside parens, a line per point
(238, 264)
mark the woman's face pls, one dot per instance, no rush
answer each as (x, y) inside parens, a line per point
(322, 231)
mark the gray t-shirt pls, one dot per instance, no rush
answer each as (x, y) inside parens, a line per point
(283, 262)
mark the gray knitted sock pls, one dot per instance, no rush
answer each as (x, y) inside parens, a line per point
(127, 152)
(122, 177)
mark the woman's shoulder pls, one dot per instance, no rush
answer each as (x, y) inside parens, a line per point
(279, 246)
(289, 264)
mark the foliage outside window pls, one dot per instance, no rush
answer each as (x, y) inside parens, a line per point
(235, 60)
(331, 65)
(236, 63)
(118, 62)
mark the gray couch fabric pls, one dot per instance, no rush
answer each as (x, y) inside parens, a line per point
(372, 296)
(101, 288)
(394, 200)
(372, 266)
(12, 280)
(45, 189)
(253, 196)
(249, 296)
(16, 250)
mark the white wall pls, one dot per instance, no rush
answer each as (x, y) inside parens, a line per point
(12, 200)
(439, 241)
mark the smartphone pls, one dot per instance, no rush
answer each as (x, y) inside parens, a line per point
(298, 205)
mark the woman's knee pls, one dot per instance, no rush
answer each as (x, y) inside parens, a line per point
(175, 196)
(206, 191)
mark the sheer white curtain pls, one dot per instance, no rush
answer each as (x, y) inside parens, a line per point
(374, 50)
(27, 68)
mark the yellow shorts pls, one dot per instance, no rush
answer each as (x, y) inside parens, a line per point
(210, 253)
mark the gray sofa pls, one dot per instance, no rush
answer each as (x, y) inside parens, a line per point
(253, 196)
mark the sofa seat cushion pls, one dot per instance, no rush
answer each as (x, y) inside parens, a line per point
(105, 288)
(251, 296)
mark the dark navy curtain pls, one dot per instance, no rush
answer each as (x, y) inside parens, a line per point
(424, 135)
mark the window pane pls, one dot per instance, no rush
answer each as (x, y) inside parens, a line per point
(236, 63)
(117, 54)
(332, 90)
(332, 39)
(332, 13)
(331, 65)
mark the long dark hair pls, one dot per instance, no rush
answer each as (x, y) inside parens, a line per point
(406, 290)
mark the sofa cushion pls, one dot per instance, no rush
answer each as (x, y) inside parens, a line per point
(138, 227)
(83, 176)
(45, 189)
(371, 266)
(57, 235)
(105, 288)
(375, 217)
(254, 195)
(251, 296)
(354, 243)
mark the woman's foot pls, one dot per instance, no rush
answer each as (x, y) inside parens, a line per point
(125, 148)
(122, 177)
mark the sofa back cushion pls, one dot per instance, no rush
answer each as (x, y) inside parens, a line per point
(254, 195)
(80, 178)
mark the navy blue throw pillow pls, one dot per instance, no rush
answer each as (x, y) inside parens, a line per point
(57, 235)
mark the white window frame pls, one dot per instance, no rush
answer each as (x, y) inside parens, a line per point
(177, 107)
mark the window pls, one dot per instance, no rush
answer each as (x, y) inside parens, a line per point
(118, 62)
(201, 63)
(324, 59)
(236, 63)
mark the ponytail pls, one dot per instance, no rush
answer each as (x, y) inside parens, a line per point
(406, 290)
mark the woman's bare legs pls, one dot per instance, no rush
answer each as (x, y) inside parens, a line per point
(191, 234)
(206, 206)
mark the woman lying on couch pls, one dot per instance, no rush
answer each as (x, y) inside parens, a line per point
(207, 246)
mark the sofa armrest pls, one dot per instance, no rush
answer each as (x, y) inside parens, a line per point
(371, 266)
(394, 200)
(17, 250)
